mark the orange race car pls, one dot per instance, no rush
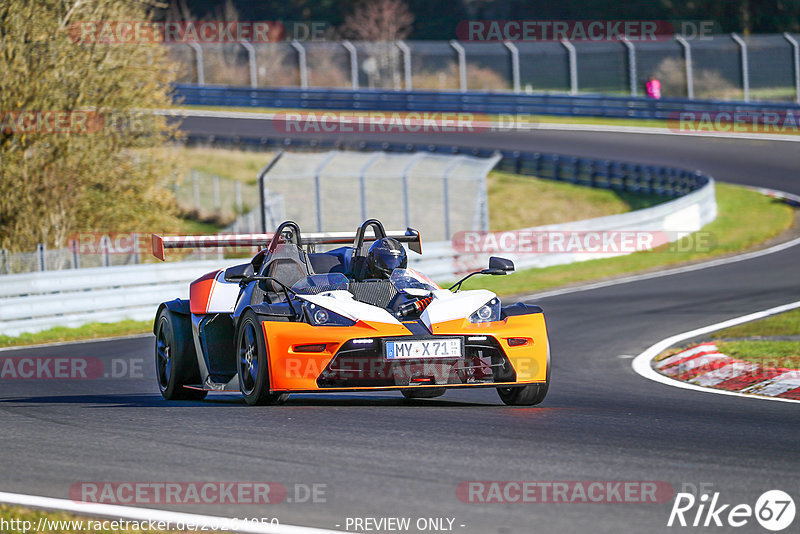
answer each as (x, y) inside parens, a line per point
(354, 318)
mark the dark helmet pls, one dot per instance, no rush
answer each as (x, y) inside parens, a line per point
(384, 256)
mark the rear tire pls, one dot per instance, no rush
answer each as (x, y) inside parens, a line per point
(176, 362)
(422, 393)
(252, 362)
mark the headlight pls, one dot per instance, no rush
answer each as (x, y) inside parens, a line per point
(318, 316)
(487, 313)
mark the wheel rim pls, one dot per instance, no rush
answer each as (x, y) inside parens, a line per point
(163, 355)
(248, 359)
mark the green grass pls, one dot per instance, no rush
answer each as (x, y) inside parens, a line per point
(783, 324)
(87, 331)
(767, 353)
(555, 202)
(744, 219)
(239, 165)
(19, 515)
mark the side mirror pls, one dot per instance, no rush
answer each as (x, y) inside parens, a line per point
(237, 273)
(499, 266)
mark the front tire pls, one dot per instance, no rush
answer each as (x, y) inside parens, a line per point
(252, 362)
(176, 363)
(527, 395)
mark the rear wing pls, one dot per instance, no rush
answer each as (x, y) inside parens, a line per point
(161, 243)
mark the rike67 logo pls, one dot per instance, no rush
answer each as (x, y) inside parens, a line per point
(774, 510)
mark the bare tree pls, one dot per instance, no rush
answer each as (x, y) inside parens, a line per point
(379, 20)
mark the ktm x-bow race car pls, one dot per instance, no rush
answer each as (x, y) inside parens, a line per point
(354, 318)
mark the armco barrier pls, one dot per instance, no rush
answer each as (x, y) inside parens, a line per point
(37, 301)
(474, 102)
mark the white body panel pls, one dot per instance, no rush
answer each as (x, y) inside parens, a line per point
(342, 302)
(223, 295)
(448, 306)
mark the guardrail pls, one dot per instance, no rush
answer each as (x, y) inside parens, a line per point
(474, 102)
(37, 301)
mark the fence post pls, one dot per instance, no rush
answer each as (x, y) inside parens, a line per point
(137, 258)
(73, 245)
(631, 64)
(318, 188)
(745, 66)
(406, 202)
(462, 65)
(446, 194)
(217, 200)
(196, 189)
(262, 176)
(301, 63)
(573, 66)
(795, 63)
(353, 62)
(687, 60)
(362, 181)
(406, 63)
(198, 57)
(40, 249)
(251, 56)
(238, 192)
(4, 260)
(105, 244)
(514, 64)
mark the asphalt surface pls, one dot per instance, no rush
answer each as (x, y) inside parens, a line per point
(380, 455)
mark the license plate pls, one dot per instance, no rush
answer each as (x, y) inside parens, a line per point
(424, 348)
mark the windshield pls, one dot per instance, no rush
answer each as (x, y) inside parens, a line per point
(320, 283)
(404, 279)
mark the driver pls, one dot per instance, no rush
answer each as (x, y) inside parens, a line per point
(384, 256)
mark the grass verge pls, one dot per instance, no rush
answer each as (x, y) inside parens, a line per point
(20, 520)
(745, 219)
(87, 331)
(766, 353)
(783, 324)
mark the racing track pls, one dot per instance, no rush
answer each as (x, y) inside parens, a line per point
(382, 456)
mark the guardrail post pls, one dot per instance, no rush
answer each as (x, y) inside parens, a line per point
(196, 189)
(514, 64)
(745, 66)
(198, 58)
(687, 60)
(795, 63)
(353, 62)
(406, 63)
(4, 260)
(251, 56)
(137, 258)
(301, 63)
(631, 64)
(573, 66)
(462, 65)
(362, 182)
(262, 175)
(40, 249)
(318, 189)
